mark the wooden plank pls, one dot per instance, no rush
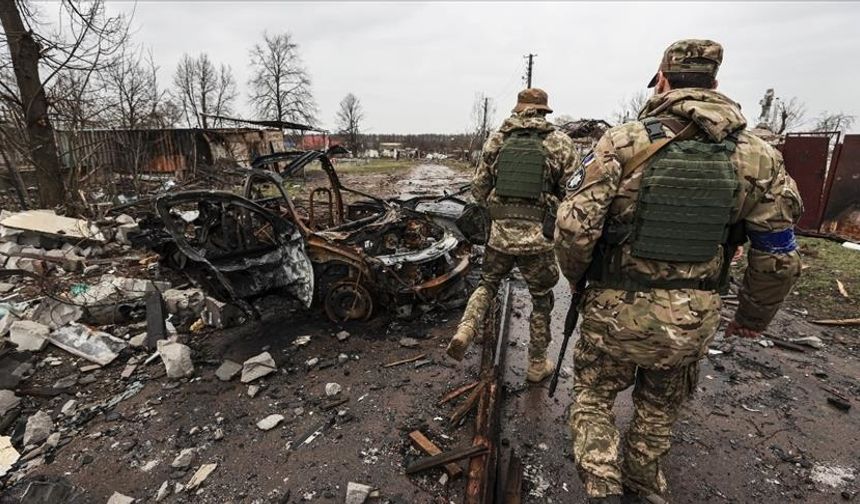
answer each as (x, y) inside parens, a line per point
(422, 443)
(514, 480)
(405, 361)
(446, 457)
(450, 396)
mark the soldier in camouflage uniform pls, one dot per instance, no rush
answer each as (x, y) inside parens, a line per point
(653, 224)
(509, 165)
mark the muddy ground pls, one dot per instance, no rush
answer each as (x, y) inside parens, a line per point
(760, 428)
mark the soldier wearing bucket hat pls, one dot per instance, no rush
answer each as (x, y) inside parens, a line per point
(520, 180)
(663, 204)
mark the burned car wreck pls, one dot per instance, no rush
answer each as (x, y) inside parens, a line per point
(291, 231)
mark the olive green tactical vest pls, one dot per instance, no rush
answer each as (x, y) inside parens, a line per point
(686, 202)
(520, 170)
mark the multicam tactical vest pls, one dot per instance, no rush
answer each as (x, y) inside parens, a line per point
(520, 169)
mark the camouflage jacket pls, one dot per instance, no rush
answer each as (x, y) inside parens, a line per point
(663, 328)
(518, 236)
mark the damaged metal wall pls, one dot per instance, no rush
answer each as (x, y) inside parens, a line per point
(173, 151)
(829, 182)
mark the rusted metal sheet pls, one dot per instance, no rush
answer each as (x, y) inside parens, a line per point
(806, 161)
(841, 213)
(173, 151)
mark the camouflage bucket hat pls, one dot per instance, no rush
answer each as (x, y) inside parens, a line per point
(691, 55)
(532, 98)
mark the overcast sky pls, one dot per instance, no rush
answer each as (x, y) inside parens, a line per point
(416, 67)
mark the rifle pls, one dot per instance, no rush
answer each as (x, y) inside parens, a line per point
(569, 325)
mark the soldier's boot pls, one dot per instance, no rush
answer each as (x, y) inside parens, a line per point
(539, 370)
(458, 345)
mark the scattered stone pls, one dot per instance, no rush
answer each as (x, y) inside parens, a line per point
(253, 390)
(163, 490)
(311, 363)
(67, 382)
(53, 440)
(138, 341)
(302, 341)
(423, 362)
(39, 427)
(332, 389)
(342, 336)
(258, 367)
(200, 476)
(118, 498)
(150, 465)
(8, 455)
(90, 367)
(128, 371)
(8, 400)
(6, 323)
(6, 287)
(342, 358)
(228, 370)
(69, 408)
(270, 422)
(184, 459)
(29, 335)
(176, 358)
(180, 301)
(408, 342)
(357, 493)
(218, 435)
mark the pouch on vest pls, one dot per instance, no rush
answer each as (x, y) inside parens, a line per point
(686, 201)
(520, 169)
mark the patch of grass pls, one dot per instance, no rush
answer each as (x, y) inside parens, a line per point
(824, 262)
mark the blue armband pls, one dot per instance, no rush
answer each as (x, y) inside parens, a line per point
(775, 242)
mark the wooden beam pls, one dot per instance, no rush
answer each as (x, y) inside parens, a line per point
(425, 445)
(445, 458)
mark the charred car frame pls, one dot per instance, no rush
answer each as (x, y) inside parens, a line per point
(350, 258)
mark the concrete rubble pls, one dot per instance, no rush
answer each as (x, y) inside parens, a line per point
(176, 358)
(39, 427)
(29, 336)
(257, 367)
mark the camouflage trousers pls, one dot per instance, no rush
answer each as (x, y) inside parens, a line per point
(657, 398)
(540, 272)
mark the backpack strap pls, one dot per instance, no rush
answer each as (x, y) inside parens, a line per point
(641, 157)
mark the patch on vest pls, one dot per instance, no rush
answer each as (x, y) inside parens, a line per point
(576, 180)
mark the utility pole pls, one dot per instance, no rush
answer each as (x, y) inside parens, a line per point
(529, 69)
(484, 123)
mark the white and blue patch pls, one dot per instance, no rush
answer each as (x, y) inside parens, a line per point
(575, 181)
(588, 159)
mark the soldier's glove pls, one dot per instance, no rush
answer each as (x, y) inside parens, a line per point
(735, 329)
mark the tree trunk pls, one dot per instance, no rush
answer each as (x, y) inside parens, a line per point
(43, 148)
(15, 177)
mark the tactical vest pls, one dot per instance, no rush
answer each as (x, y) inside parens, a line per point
(683, 214)
(520, 174)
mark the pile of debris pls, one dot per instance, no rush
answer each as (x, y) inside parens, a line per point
(79, 286)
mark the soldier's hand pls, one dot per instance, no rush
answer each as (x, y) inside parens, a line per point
(735, 329)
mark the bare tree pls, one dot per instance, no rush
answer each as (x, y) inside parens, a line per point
(131, 87)
(350, 114)
(629, 108)
(787, 115)
(280, 84)
(839, 121)
(87, 36)
(200, 90)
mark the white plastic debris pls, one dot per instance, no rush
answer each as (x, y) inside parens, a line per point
(95, 346)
